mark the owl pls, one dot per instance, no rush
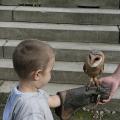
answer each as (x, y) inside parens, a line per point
(94, 66)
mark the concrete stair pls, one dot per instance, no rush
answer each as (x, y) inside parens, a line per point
(114, 4)
(71, 72)
(67, 15)
(59, 32)
(60, 15)
(60, 24)
(68, 51)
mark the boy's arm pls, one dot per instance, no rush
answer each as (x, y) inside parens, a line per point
(54, 101)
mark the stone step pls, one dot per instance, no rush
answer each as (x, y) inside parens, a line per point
(2, 43)
(59, 32)
(63, 72)
(60, 15)
(70, 51)
(50, 88)
(65, 3)
(6, 13)
(65, 15)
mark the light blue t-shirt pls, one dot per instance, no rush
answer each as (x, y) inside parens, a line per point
(27, 106)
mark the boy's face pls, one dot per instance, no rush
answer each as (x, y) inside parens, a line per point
(45, 76)
(47, 72)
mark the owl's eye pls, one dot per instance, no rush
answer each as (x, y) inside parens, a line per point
(96, 59)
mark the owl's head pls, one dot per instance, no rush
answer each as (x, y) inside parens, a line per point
(95, 58)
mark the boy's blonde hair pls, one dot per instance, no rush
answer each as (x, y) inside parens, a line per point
(31, 55)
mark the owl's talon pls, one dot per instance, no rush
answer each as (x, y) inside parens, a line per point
(98, 98)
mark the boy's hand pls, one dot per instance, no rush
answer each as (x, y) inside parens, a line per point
(78, 97)
(54, 101)
(112, 83)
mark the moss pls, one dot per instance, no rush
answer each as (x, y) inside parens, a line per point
(3, 98)
(81, 115)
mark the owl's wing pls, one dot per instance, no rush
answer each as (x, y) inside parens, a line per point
(102, 69)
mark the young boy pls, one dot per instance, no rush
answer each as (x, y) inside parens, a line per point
(33, 61)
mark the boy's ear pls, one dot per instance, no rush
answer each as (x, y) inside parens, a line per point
(37, 74)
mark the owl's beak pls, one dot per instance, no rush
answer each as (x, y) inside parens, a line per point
(96, 63)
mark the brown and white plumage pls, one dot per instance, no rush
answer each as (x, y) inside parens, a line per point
(94, 66)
